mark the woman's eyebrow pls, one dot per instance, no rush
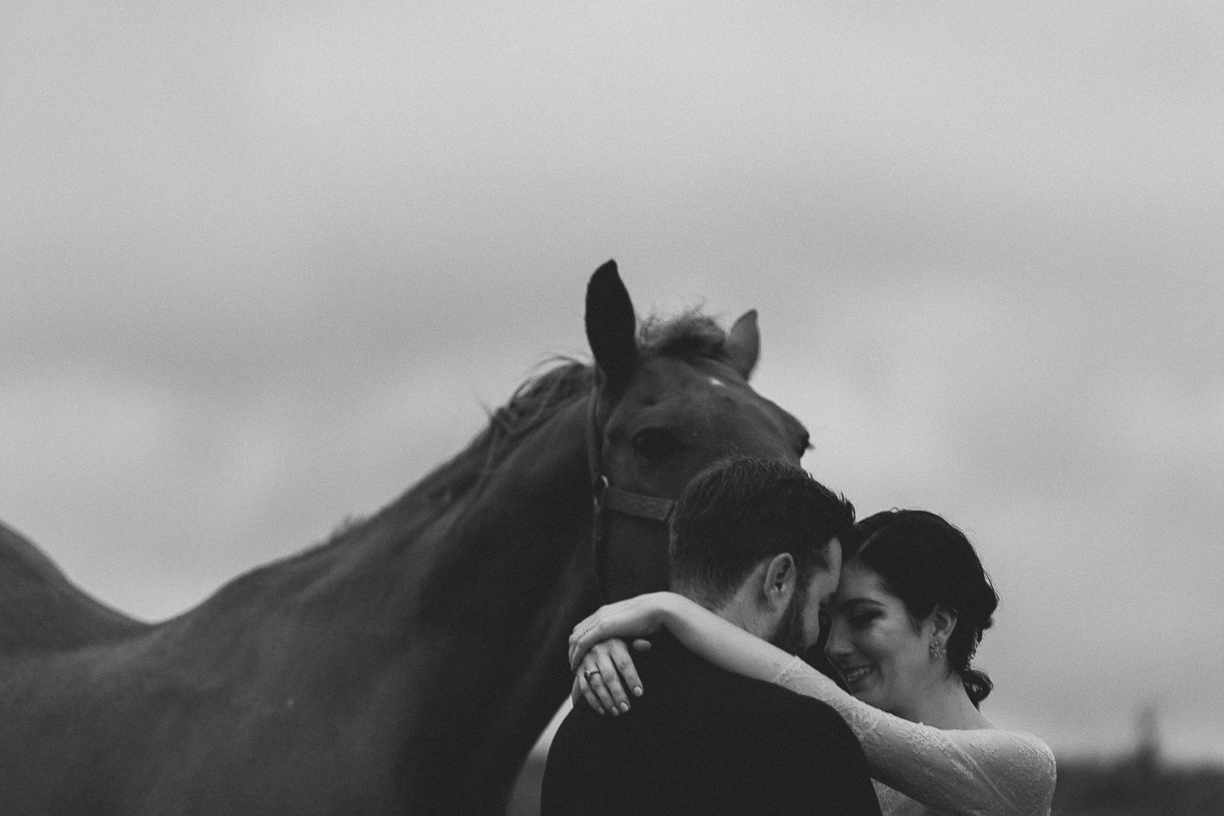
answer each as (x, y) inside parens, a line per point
(854, 602)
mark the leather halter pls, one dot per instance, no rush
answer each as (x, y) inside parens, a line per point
(606, 497)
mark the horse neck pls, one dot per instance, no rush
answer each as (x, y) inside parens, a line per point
(498, 547)
(470, 580)
(511, 577)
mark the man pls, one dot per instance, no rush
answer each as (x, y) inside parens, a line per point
(756, 542)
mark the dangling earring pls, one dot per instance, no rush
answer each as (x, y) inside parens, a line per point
(937, 649)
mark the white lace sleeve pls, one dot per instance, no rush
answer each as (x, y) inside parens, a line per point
(970, 773)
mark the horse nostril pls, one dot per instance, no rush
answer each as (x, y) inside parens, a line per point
(805, 445)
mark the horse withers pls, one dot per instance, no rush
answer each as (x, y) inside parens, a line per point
(408, 664)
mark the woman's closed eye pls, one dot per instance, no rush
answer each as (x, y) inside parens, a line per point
(862, 619)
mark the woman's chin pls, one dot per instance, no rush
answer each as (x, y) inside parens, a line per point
(865, 696)
(859, 681)
(868, 692)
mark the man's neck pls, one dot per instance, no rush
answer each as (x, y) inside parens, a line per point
(737, 612)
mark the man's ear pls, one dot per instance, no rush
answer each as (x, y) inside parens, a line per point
(778, 582)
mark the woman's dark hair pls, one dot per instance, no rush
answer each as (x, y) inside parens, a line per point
(929, 563)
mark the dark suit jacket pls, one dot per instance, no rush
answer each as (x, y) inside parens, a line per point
(705, 741)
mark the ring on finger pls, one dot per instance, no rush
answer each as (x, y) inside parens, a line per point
(589, 674)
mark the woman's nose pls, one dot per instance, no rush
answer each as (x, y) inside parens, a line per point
(838, 644)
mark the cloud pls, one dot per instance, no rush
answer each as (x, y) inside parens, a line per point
(263, 265)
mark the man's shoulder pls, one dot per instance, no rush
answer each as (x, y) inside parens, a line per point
(810, 725)
(786, 704)
(766, 701)
(712, 709)
(690, 702)
(603, 765)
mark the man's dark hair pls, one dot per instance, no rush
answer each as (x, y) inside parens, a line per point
(741, 510)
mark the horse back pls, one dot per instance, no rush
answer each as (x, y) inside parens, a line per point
(245, 704)
(41, 610)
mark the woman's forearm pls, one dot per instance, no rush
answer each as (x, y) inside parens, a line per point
(721, 642)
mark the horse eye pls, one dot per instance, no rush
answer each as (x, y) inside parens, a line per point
(655, 443)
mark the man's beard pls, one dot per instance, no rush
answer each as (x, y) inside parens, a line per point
(791, 633)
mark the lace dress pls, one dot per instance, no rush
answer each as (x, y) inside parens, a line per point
(925, 771)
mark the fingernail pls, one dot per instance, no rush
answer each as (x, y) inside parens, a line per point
(615, 712)
(624, 706)
(637, 691)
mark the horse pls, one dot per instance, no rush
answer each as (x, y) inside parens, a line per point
(408, 663)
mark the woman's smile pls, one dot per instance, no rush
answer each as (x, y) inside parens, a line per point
(856, 677)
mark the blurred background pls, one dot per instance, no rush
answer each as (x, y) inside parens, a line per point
(263, 265)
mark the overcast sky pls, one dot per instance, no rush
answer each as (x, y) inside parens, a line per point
(264, 265)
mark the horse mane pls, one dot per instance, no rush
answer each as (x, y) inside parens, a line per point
(688, 336)
(562, 381)
(533, 403)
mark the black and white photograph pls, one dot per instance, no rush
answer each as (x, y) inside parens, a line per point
(541, 409)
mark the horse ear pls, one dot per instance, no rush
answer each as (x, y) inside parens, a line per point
(611, 326)
(743, 344)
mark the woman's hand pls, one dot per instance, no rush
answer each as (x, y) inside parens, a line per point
(631, 618)
(601, 672)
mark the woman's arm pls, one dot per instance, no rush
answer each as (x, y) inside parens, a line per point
(984, 772)
(700, 631)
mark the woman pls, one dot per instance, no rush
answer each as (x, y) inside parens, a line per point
(908, 615)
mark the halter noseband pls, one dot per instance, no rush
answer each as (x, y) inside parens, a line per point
(606, 497)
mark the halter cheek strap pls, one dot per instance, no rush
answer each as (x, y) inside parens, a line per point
(606, 497)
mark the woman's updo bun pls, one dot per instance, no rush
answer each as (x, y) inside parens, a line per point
(927, 562)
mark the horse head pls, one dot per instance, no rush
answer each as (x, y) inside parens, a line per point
(668, 400)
